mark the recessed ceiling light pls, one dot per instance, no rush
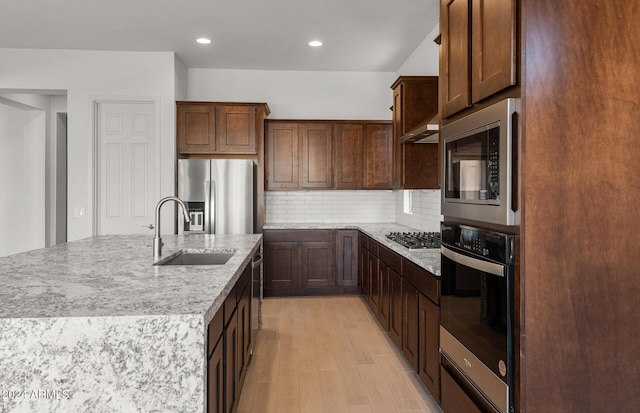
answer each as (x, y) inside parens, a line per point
(203, 40)
(315, 43)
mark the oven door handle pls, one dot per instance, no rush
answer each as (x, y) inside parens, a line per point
(480, 265)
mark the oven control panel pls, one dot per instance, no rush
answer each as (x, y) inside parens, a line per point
(484, 243)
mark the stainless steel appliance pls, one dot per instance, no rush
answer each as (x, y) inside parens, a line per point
(478, 168)
(477, 321)
(219, 194)
(416, 240)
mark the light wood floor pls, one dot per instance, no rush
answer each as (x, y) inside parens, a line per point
(328, 355)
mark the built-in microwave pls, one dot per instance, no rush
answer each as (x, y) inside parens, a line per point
(479, 166)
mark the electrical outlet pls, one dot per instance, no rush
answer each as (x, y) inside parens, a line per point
(78, 212)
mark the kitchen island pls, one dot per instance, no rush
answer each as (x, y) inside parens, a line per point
(93, 326)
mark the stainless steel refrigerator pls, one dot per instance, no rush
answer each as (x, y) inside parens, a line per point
(219, 194)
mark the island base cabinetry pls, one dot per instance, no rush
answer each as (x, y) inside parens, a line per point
(229, 347)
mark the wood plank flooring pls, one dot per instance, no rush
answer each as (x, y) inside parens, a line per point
(328, 355)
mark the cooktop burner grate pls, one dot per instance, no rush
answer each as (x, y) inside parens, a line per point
(416, 240)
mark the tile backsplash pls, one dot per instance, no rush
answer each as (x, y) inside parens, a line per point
(426, 214)
(284, 207)
(289, 207)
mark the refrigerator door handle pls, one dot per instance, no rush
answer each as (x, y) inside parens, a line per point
(212, 195)
(207, 206)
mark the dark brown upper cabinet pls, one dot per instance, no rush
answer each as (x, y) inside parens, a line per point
(316, 158)
(329, 154)
(348, 158)
(415, 104)
(282, 157)
(478, 51)
(210, 128)
(378, 156)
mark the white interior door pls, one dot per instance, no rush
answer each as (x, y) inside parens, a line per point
(127, 189)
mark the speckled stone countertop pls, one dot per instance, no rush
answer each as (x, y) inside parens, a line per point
(429, 259)
(93, 326)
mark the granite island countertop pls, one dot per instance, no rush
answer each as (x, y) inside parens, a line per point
(429, 259)
(93, 326)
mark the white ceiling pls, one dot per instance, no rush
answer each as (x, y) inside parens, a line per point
(358, 35)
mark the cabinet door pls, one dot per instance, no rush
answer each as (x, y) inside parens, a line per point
(232, 389)
(347, 258)
(316, 162)
(383, 303)
(410, 336)
(196, 129)
(348, 159)
(244, 334)
(365, 276)
(454, 56)
(318, 265)
(281, 267)
(282, 155)
(420, 169)
(429, 355)
(493, 53)
(374, 282)
(395, 307)
(397, 133)
(215, 380)
(378, 156)
(236, 129)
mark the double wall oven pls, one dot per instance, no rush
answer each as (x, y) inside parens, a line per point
(478, 263)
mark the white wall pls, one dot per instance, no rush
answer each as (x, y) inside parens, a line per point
(22, 178)
(299, 94)
(424, 60)
(88, 76)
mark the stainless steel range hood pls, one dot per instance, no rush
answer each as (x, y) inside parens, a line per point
(425, 132)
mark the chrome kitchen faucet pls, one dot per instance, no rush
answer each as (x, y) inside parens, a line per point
(157, 241)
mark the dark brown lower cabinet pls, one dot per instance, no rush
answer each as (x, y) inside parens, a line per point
(454, 399)
(428, 353)
(231, 364)
(347, 253)
(364, 279)
(374, 282)
(281, 267)
(317, 271)
(229, 347)
(410, 335)
(215, 379)
(395, 307)
(244, 333)
(405, 298)
(384, 301)
(310, 262)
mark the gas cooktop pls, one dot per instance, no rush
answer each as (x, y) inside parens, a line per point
(416, 240)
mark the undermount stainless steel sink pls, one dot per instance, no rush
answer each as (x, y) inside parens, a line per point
(196, 258)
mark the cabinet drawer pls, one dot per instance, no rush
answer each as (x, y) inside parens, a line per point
(393, 260)
(215, 331)
(299, 235)
(363, 240)
(374, 247)
(422, 279)
(230, 304)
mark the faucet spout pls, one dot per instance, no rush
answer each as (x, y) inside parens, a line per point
(157, 240)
